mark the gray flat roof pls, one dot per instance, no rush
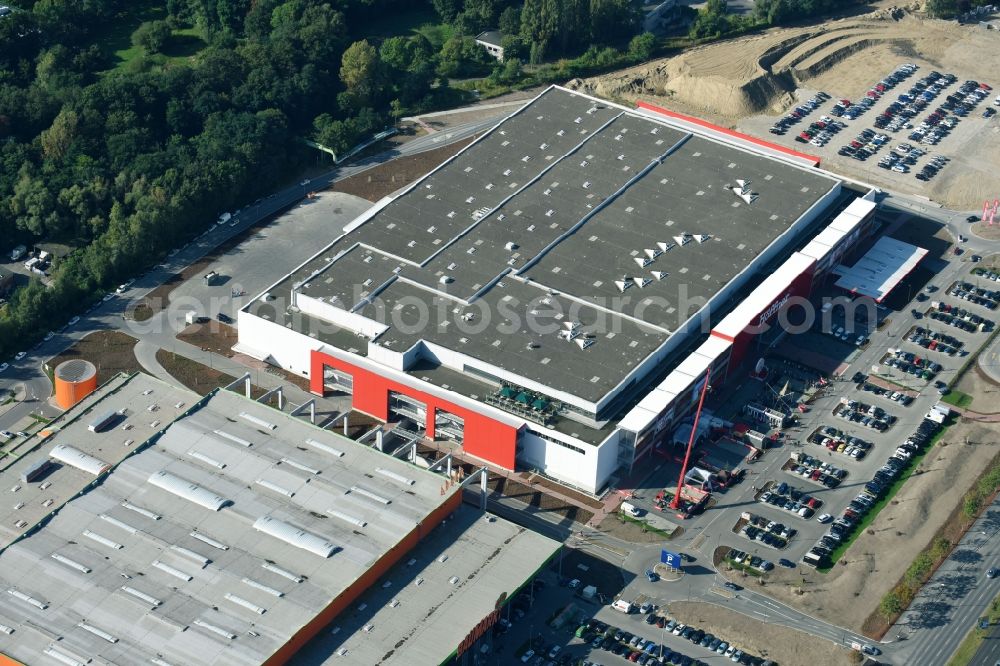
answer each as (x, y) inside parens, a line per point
(136, 395)
(423, 608)
(571, 198)
(209, 585)
(513, 343)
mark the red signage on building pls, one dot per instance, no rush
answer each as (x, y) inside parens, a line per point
(480, 629)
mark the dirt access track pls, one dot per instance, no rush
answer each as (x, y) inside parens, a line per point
(735, 82)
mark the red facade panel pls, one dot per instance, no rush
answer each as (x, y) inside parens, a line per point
(484, 438)
(722, 130)
(800, 286)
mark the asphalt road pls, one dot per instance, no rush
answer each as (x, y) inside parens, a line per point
(989, 651)
(953, 599)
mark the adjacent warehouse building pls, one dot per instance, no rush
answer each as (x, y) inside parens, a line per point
(529, 298)
(236, 533)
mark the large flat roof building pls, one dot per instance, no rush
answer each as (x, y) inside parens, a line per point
(559, 263)
(233, 535)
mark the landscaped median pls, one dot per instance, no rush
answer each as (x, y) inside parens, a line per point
(957, 399)
(882, 502)
(644, 524)
(970, 645)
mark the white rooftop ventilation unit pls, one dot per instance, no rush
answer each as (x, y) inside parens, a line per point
(27, 598)
(294, 536)
(189, 491)
(742, 190)
(571, 331)
(643, 261)
(666, 246)
(445, 279)
(257, 421)
(584, 342)
(74, 457)
(641, 281)
(625, 283)
(701, 238)
(653, 253)
(683, 239)
(659, 275)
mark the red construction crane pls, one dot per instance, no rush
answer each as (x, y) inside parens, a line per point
(675, 503)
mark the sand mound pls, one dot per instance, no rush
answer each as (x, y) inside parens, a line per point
(757, 74)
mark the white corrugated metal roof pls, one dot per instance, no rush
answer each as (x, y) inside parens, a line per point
(637, 419)
(74, 457)
(189, 491)
(764, 295)
(881, 269)
(295, 536)
(713, 348)
(693, 366)
(816, 250)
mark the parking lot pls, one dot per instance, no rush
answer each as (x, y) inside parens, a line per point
(613, 638)
(264, 256)
(915, 125)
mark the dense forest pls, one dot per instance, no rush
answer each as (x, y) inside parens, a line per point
(125, 154)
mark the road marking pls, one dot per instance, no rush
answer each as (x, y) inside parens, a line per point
(721, 591)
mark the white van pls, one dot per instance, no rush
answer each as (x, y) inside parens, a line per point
(630, 509)
(623, 606)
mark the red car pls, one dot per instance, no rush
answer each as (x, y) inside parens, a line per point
(985, 87)
(816, 474)
(634, 656)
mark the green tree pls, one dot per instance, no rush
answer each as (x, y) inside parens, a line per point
(942, 8)
(642, 46)
(447, 9)
(360, 71)
(891, 605)
(57, 139)
(540, 20)
(510, 21)
(461, 56)
(611, 20)
(152, 36)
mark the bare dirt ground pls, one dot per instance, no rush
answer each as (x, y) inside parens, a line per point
(990, 232)
(747, 82)
(198, 377)
(385, 179)
(984, 391)
(110, 351)
(781, 644)
(853, 588)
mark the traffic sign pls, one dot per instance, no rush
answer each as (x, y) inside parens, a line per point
(672, 560)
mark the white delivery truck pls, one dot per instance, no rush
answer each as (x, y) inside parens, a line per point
(623, 606)
(631, 509)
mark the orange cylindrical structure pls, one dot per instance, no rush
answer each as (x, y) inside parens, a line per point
(75, 380)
